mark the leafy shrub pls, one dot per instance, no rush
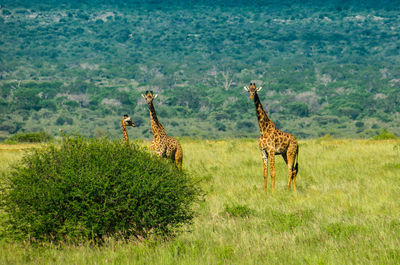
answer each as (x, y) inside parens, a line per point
(384, 135)
(10, 126)
(323, 120)
(6, 12)
(359, 124)
(220, 126)
(61, 120)
(139, 121)
(374, 126)
(298, 108)
(34, 137)
(246, 126)
(91, 189)
(71, 104)
(349, 112)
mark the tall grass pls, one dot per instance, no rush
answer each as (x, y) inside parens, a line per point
(346, 210)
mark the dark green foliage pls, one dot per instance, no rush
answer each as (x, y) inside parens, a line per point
(246, 126)
(298, 108)
(61, 120)
(90, 189)
(323, 120)
(6, 12)
(359, 124)
(34, 137)
(319, 59)
(220, 126)
(10, 126)
(71, 104)
(349, 112)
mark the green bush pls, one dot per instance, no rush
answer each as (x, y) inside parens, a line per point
(359, 124)
(384, 134)
(6, 12)
(36, 137)
(92, 189)
(246, 126)
(298, 108)
(10, 126)
(349, 112)
(323, 120)
(220, 126)
(61, 120)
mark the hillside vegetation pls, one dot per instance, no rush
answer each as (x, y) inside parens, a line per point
(329, 67)
(345, 210)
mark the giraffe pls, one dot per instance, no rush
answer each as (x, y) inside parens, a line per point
(126, 121)
(274, 142)
(162, 144)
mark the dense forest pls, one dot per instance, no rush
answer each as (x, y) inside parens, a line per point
(326, 67)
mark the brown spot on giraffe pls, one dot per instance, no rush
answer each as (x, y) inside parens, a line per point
(126, 121)
(274, 142)
(162, 144)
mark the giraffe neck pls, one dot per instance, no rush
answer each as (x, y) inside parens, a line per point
(264, 122)
(156, 126)
(126, 138)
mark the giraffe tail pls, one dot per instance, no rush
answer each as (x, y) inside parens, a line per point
(179, 157)
(296, 166)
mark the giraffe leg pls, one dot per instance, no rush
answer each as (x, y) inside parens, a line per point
(294, 181)
(271, 157)
(288, 163)
(291, 157)
(290, 169)
(295, 170)
(179, 157)
(265, 162)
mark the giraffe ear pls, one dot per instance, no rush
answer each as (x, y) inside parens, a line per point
(143, 96)
(258, 89)
(246, 88)
(155, 95)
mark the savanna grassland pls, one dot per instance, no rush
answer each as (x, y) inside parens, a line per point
(345, 210)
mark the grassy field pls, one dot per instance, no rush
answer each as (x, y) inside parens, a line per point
(346, 210)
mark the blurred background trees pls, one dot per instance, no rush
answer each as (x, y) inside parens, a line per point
(79, 66)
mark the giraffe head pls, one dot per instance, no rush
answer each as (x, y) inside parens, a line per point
(149, 96)
(128, 121)
(252, 89)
